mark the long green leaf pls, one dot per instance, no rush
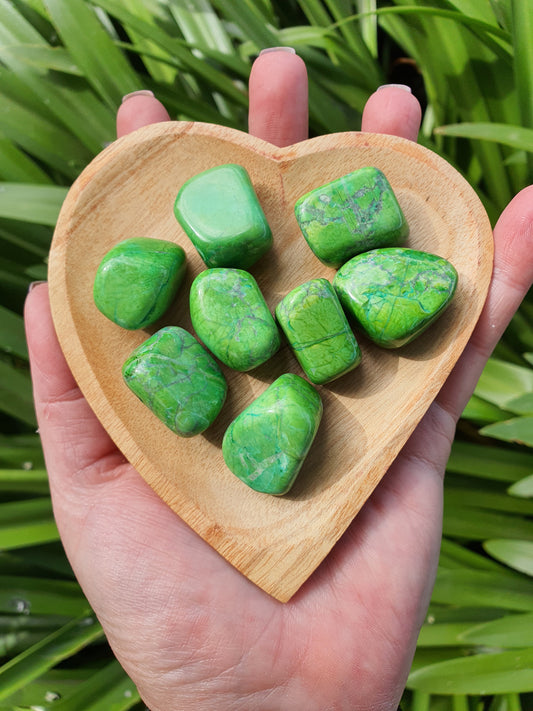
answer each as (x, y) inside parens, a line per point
(523, 487)
(484, 674)
(509, 631)
(94, 52)
(488, 462)
(31, 203)
(39, 596)
(203, 70)
(484, 589)
(501, 382)
(515, 554)
(44, 655)
(109, 689)
(32, 481)
(12, 337)
(478, 524)
(514, 136)
(15, 165)
(27, 522)
(519, 430)
(16, 396)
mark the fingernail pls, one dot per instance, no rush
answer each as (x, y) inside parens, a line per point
(34, 284)
(269, 50)
(395, 86)
(141, 92)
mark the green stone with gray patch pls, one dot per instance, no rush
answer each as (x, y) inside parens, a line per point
(395, 294)
(181, 383)
(318, 331)
(266, 445)
(231, 317)
(350, 215)
(137, 281)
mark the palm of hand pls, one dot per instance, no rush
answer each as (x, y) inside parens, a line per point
(188, 628)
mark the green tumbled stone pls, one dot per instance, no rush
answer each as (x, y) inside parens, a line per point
(318, 331)
(220, 212)
(351, 215)
(173, 375)
(137, 280)
(265, 446)
(395, 294)
(230, 315)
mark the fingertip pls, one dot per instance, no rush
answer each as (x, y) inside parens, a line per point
(279, 97)
(393, 110)
(139, 109)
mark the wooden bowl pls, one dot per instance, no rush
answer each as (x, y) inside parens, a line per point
(129, 191)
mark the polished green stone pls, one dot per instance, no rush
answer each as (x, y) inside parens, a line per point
(173, 375)
(351, 215)
(220, 212)
(318, 331)
(231, 317)
(395, 293)
(265, 446)
(137, 280)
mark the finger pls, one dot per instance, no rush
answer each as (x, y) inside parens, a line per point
(73, 439)
(511, 279)
(392, 109)
(278, 97)
(138, 109)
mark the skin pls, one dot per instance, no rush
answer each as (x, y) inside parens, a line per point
(188, 628)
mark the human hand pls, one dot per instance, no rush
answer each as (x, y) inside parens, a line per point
(190, 630)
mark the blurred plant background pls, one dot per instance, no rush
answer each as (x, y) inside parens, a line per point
(64, 66)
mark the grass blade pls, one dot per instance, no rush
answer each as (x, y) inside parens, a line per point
(515, 554)
(101, 62)
(31, 481)
(109, 689)
(31, 203)
(477, 525)
(514, 136)
(509, 631)
(44, 655)
(26, 523)
(16, 395)
(478, 588)
(488, 462)
(502, 673)
(518, 430)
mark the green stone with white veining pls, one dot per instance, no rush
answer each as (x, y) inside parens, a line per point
(395, 293)
(137, 281)
(265, 446)
(181, 383)
(351, 215)
(220, 213)
(231, 317)
(318, 331)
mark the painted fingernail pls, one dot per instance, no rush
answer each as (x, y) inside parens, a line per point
(34, 284)
(395, 86)
(141, 92)
(269, 50)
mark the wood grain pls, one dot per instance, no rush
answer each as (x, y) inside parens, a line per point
(129, 191)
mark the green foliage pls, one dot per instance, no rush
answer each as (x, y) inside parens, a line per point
(64, 65)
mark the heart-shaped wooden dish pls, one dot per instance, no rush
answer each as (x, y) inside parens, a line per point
(129, 191)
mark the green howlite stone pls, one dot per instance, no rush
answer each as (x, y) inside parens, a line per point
(395, 293)
(318, 331)
(220, 212)
(137, 280)
(173, 375)
(351, 215)
(231, 317)
(265, 446)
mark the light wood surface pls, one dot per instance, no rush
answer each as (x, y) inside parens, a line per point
(129, 191)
